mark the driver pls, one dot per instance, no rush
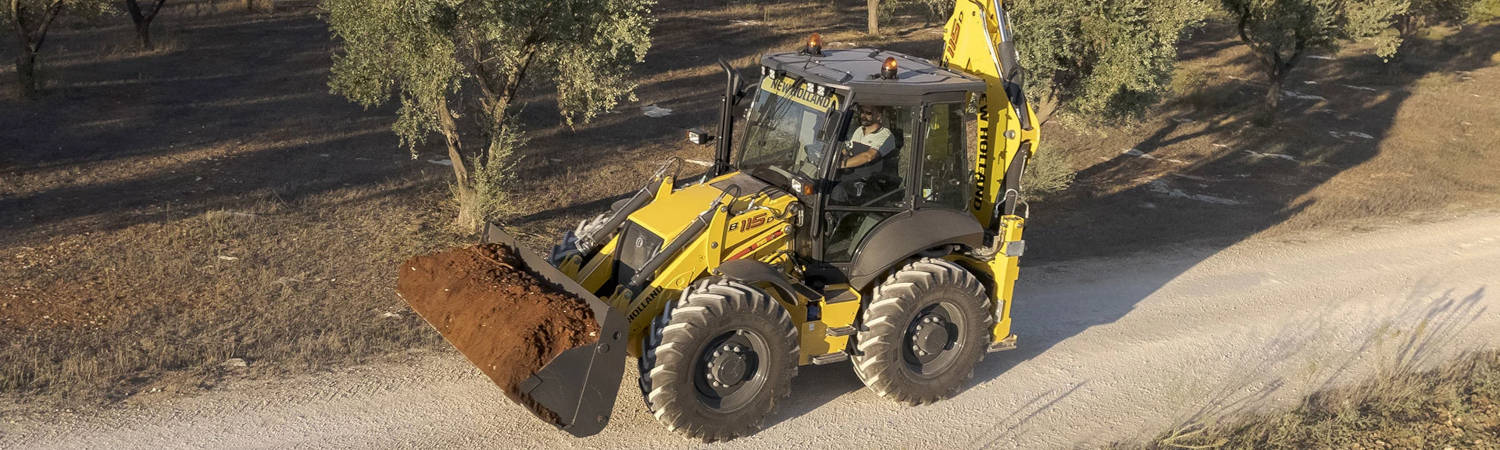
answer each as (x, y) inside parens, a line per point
(862, 154)
(870, 141)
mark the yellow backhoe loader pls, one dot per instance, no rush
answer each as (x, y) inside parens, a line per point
(869, 212)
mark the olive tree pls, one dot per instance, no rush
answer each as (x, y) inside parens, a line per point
(457, 68)
(31, 20)
(1280, 33)
(1102, 59)
(1408, 18)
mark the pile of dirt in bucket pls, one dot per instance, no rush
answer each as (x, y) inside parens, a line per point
(507, 320)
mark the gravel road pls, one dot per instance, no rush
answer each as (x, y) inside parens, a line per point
(1110, 349)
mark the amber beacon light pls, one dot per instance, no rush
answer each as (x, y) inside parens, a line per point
(814, 45)
(888, 70)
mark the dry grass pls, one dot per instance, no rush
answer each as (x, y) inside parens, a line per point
(283, 286)
(1454, 406)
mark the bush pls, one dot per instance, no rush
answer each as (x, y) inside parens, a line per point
(1047, 173)
(1484, 11)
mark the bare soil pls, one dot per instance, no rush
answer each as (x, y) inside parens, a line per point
(508, 321)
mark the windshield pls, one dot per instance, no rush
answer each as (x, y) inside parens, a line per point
(783, 134)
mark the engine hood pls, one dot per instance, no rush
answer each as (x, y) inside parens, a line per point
(668, 215)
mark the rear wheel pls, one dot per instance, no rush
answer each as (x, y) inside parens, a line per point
(924, 332)
(717, 360)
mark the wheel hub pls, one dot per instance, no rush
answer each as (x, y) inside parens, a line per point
(929, 337)
(728, 366)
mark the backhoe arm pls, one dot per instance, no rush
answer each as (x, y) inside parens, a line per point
(978, 41)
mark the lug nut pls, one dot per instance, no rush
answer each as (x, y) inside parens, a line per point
(737, 349)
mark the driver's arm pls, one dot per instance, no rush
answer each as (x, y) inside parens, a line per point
(861, 158)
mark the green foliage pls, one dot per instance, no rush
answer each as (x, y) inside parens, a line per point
(487, 197)
(1285, 30)
(1102, 59)
(1484, 11)
(1281, 33)
(396, 48)
(445, 60)
(1377, 21)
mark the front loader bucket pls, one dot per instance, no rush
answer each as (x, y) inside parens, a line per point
(574, 390)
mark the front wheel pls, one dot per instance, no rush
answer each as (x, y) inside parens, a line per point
(924, 332)
(717, 360)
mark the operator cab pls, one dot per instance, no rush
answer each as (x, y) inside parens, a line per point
(876, 144)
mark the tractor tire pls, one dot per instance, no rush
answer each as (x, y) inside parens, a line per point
(926, 328)
(718, 360)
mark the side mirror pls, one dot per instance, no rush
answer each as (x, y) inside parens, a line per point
(699, 137)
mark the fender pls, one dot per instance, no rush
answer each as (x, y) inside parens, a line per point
(751, 271)
(909, 233)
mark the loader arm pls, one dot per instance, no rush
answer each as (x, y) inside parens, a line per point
(978, 41)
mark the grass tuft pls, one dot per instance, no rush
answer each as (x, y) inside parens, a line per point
(1453, 406)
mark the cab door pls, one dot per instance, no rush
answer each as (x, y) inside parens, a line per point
(859, 198)
(867, 233)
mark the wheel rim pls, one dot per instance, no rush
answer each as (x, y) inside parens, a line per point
(933, 341)
(729, 372)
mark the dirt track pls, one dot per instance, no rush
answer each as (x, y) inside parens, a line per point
(1113, 349)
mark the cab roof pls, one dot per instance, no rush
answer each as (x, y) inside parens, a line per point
(858, 70)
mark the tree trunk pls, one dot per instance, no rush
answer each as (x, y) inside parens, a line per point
(455, 146)
(1273, 98)
(873, 18)
(467, 218)
(26, 72)
(143, 32)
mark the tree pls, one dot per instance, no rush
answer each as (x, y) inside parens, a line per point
(1101, 59)
(31, 19)
(1484, 11)
(447, 60)
(1410, 18)
(143, 19)
(1281, 32)
(872, 16)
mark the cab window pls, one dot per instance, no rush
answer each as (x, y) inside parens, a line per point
(947, 165)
